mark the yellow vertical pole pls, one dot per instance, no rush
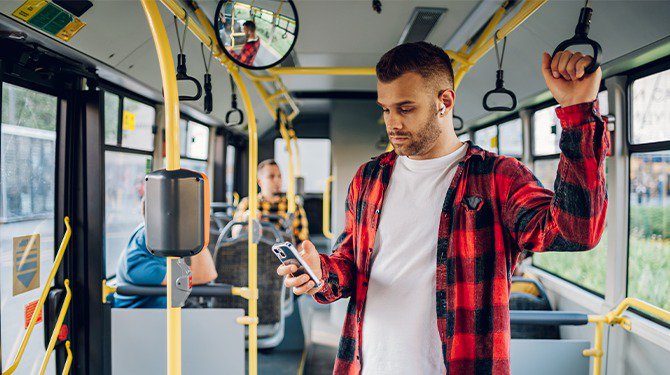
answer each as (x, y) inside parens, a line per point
(253, 213)
(290, 193)
(326, 209)
(171, 98)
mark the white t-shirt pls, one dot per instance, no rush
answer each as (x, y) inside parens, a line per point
(400, 333)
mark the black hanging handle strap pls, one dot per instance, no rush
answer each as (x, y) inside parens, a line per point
(182, 75)
(581, 37)
(230, 115)
(500, 82)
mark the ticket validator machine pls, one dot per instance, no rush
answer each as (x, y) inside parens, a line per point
(177, 223)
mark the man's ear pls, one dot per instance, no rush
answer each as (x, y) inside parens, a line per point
(448, 98)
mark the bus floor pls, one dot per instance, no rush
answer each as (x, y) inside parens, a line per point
(292, 356)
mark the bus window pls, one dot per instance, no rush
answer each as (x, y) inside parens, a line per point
(649, 203)
(230, 172)
(651, 109)
(137, 125)
(124, 189)
(545, 142)
(111, 112)
(464, 137)
(194, 145)
(198, 135)
(126, 164)
(586, 269)
(487, 138)
(27, 184)
(511, 138)
(314, 160)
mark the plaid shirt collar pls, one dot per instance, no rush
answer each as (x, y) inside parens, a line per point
(389, 158)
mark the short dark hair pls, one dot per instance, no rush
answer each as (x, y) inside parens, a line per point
(425, 59)
(265, 163)
(251, 25)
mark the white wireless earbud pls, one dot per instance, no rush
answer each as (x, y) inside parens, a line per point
(443, 109)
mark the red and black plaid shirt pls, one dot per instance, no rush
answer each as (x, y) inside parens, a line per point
(248, 53)
(494, 209)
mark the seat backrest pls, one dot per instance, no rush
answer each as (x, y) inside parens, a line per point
(230, 259)
(525, 301)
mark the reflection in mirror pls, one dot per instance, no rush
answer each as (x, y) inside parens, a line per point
(257, 34)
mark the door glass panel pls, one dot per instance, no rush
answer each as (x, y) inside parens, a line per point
(27, 185)
(124, 189)
(651, 108)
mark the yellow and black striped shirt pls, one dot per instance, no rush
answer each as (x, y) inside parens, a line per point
(279, 207)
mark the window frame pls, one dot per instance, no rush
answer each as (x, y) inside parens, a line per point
(182, 153)
(532, 159)
(642, 72)
(123, 94)
(497, 122)
(639, 148)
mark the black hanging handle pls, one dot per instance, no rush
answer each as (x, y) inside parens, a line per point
(582, 38)
(209, 102)
(183, 76)
(458, 123)
(234, 110)
(499, 90)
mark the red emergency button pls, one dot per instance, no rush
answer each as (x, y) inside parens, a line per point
(62, 335)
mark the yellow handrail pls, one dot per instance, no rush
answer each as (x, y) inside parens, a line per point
(298, 162)
(614, 317)
(68, 361)
(290, 192)
(326, 209)
(43, 297)
(59, 324)
(171, 99)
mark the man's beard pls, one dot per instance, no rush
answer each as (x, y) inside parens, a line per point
(420, 142)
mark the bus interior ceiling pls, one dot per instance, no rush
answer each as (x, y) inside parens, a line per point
(116, 45)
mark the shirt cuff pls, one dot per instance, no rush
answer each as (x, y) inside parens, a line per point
(579, 114)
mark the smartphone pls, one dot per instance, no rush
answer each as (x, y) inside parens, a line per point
(288, 255)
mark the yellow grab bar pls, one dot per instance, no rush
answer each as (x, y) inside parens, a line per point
(326, 209)
(290, 193)
(614, 317)
(171, 98)
(68, 361)
(298, 162)
(59, 324)
(43, 297)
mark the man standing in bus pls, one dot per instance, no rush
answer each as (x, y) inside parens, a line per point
(250, 48)
(433, 229)
(271, 201)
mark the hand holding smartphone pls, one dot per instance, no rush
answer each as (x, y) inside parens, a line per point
(303, 273)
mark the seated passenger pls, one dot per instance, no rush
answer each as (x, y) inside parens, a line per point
(138, 266)
(271, 201)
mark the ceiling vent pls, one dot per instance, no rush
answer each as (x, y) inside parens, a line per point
(420, 24)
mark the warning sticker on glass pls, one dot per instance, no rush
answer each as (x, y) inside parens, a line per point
(26, 264)
(28, 312)
(128, 120)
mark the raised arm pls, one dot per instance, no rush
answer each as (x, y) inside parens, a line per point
(573, 217)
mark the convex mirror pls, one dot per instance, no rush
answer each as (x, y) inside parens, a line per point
(256, 34)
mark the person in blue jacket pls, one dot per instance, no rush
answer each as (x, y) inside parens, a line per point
(138, 266)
